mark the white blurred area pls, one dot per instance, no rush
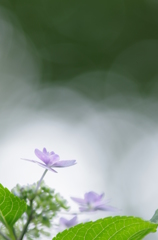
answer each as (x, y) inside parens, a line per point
(114, 140)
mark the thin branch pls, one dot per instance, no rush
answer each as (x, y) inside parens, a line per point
(27, 223)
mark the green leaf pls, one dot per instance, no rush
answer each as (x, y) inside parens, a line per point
(11, 207)
(154, 219)
(110, 228)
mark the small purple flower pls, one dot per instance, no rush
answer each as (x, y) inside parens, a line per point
(93, 202)
(64, 223)
(50, 160)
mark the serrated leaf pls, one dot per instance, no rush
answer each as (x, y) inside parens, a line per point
(11, 207)
(110, 228)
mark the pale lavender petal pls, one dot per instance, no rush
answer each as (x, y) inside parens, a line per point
(105, 207)
(64, 163)
(63, 221)
(91, 197)
(102, 207)
(79, 200)
(46, 167)
(30, 160)
(68, 223)
(40, 164)
(101, 203)
(72, 222)
(53, 159)
(51, 153)
(100, 196)
(41, 156)
(45, 151)
(85, 209)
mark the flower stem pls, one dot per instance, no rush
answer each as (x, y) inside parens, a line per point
(39, 182)
(30, 217)
(11, 233)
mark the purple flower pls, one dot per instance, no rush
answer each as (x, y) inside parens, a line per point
(50, 160)
(93, 202)
(64, 223)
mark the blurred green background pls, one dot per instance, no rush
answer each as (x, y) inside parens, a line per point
(71, 38)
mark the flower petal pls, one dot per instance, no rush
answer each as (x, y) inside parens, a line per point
(100, 196)
(51, 153)
(91, 197)
(68, 223)
(29, 160)
(63, 221)
(85, 209)
(46, 167)
(53, 159)
(105, 207)
(64, 163)
(45, 151)
(40, 164)
(41, 155)
(72, 222)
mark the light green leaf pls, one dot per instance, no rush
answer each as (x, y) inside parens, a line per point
(110, 228)
(11, 207)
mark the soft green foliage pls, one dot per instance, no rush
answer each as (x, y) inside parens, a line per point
(11, 207)
(113, 228)
(41, 209)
